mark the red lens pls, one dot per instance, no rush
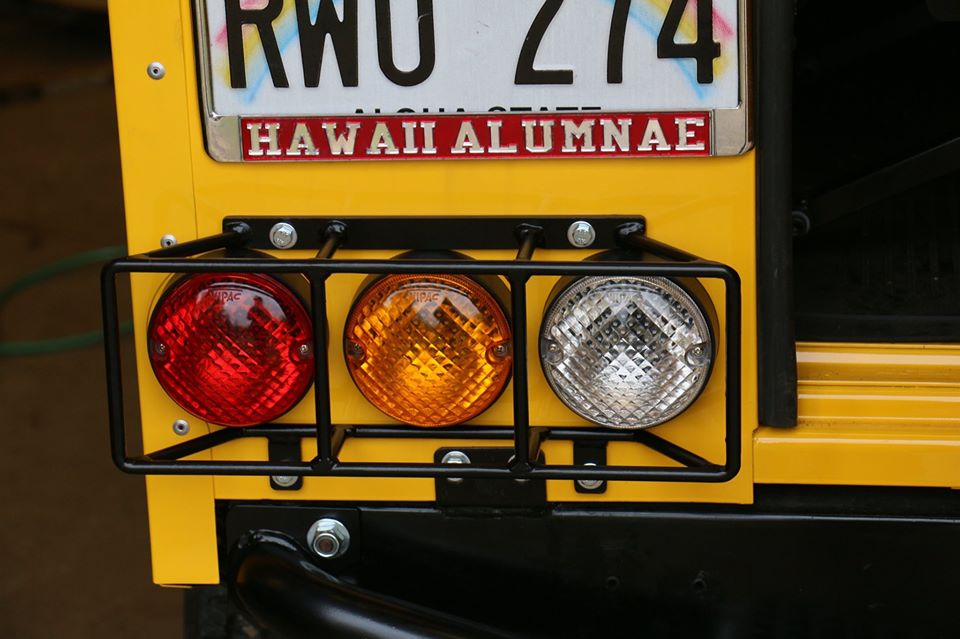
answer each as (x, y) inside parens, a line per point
(234, 349)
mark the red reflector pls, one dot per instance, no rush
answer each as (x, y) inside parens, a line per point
(233, 349)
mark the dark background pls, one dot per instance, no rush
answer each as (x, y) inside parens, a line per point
(74, 551)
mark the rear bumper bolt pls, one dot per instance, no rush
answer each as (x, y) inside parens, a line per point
(283, 235)
(455, 457)
(581, 234)
(328, 538)
(285, 481)
(590, 484)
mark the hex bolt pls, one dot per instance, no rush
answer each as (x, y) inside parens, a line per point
(159, 349)
(283, 235)
(355, 351)
(455, 457)
(581, 234)
(168, 240)
(500, 351)
(697, 355)
(156, 71)
(590, 484)
(551, 351)
(181, 427)
(328, 538)
(285, 481)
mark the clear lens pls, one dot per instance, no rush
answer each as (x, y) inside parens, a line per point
(626, 352)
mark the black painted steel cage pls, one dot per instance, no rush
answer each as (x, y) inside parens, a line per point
(523, 234)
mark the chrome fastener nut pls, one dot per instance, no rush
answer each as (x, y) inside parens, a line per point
(168, 240)
(285, 481)
(156, 71)
(581, 234)
(283, 235)
(328, 538)
(181, 427)
(455, 457)
(590, 484)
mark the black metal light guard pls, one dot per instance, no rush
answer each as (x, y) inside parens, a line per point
(525, 237)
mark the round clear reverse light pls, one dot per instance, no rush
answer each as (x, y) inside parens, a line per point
(626, 352)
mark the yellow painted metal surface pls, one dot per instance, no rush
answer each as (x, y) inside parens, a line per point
(870, 414)
(172, 186)
(155, 143)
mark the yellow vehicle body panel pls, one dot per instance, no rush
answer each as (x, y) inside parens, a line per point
(869, 415)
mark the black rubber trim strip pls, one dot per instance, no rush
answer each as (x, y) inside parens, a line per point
(776, 347)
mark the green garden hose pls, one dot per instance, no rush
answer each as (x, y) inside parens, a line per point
(67, 342)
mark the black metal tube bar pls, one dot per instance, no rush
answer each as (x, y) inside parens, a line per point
(377, 267)
(711, 473)
(321, 383)
(111, 341)
(364, 432)
(635, 239)
(529, 235)
(526, 444)
(332, 239)
(590, 434)
(521, 407)
(196, 445)
(669, 449)
(734, 369)
(232, 238)
(518, 308)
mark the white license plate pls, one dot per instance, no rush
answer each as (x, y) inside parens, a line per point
(271, 66)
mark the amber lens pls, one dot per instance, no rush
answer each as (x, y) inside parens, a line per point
(428, 350)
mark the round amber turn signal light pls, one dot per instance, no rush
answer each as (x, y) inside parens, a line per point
(428, 350)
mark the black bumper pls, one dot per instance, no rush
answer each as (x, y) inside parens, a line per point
(801, 563)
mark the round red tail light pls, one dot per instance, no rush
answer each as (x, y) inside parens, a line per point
(234, 349)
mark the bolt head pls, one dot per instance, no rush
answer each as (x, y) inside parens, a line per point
(551, 351)
(326, 545)
(283, 235)
(181, 427)
(581, 234)
(159, 349)
(590, 484)
(156, 71)
(500, 352)
(455, 457)
(285, 481)
(328, 538)
(355, 351)
(168, 240)
(697, 355)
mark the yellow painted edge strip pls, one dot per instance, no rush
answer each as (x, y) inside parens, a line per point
(857, 455)
(910, 364)
(159, 198)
